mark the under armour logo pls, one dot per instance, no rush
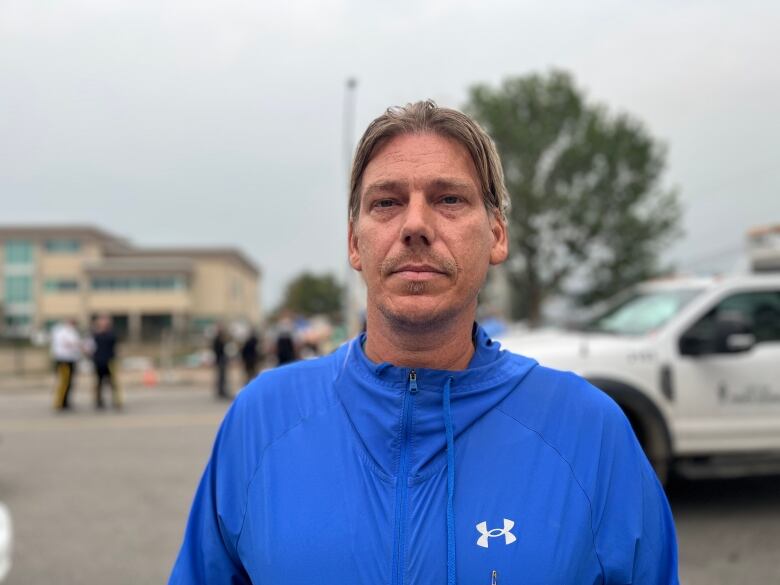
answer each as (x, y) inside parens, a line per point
(509, 538)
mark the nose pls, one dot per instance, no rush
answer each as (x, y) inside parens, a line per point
(418, 228)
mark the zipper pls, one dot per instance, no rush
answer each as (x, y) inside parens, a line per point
(494, 577)
(401, 488)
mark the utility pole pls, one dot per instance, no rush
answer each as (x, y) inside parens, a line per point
(351, 322)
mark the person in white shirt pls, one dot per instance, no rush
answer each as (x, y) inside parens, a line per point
(66, 349)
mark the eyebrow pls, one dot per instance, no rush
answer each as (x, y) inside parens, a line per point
(454, 184)
(395, 187)
(401, 187)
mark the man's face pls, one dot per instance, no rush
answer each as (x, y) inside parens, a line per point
(423, 238)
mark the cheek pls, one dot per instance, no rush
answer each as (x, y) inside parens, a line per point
(370, 251)
(474, 252)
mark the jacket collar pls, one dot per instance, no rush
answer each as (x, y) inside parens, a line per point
(373, 396)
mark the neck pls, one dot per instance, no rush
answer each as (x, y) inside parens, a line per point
(445, 347)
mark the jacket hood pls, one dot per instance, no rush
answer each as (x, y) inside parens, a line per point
(373, 397)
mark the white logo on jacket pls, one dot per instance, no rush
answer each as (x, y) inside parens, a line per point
(482, 528)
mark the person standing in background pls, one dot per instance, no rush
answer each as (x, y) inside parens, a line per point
(218, 346)
(103, 357)
(286, 347)
(66, 352)
(251, 355)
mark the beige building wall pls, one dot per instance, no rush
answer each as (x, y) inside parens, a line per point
(254, 301)
(66, 265)
(60, 305)
(222, 286)
(224, 290)
(56, 305)
(148, 302)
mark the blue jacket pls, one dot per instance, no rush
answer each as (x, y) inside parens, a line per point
(337, 471)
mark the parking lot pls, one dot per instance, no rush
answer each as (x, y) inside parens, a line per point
(102, 498)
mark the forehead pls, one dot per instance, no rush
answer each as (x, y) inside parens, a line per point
(420, 160)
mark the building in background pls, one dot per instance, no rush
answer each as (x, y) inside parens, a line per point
(49, 273)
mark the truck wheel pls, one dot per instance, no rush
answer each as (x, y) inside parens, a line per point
(653, 440)
(647, 421)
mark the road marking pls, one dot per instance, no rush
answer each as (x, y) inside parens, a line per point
(111, 422)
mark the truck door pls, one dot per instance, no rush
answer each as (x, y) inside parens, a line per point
(728, 377)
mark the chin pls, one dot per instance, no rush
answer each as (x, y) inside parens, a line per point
(417, 312)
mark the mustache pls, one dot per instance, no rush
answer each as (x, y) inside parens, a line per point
(443, 265)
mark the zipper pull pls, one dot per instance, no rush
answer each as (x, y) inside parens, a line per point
(494, 577)
(413, 382)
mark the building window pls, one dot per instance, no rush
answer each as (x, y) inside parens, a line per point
(17, 322)
(63, 246)
(61, 285)
(139, 283)
(18, 252)
(18, 289)
(201, 325)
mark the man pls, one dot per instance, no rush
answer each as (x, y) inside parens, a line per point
(420, 453)
(219, 348)
(103, 358)
(251, 354)
(66, 352)
(286, 346)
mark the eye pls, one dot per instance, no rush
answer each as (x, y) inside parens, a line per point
(384, 203)
(451, 199)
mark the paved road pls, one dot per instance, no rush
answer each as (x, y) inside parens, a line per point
(102, 498)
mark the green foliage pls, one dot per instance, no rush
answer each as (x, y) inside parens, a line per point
(589, 216)
(309, 294)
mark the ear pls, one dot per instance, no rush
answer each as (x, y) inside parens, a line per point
(352, 244)
(500, 249)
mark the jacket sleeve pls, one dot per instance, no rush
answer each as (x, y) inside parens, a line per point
(634, 530)
(209, 552)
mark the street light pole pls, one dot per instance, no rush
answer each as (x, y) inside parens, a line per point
(350, 98)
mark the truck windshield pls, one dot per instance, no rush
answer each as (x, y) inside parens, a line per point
(643, 311)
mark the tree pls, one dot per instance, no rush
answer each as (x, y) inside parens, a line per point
(309, 294)
(589, 216)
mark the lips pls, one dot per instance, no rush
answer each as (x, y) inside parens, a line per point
(411, 268)
(418, 272)
(420, 268)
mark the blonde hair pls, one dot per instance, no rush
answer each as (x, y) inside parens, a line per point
(426, 117)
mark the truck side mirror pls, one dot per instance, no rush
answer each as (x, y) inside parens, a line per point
(730, 332)
(733, 333)
(691, 344)
(737, 342)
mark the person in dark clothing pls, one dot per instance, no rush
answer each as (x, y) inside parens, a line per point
(286, 351)
(103, 357)
(220, 362)
(251, 355)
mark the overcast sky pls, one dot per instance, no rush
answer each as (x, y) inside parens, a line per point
(194, 122)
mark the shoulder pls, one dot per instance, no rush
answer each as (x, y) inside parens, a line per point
(579, 422)
(581, 425)
(270, 406)
(282, 397)
(301, 379)
(549, 399)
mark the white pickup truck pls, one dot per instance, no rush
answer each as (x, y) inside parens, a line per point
(695, 365)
